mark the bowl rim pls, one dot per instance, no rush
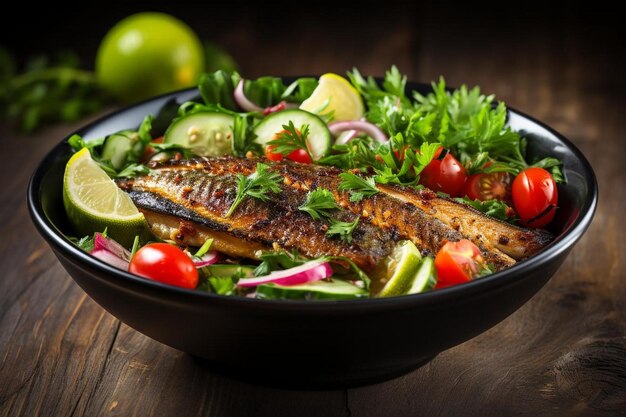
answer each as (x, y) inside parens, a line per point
(493, 282)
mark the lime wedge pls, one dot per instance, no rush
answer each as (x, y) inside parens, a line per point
(93, 202)
(334, 94)
(402, 267)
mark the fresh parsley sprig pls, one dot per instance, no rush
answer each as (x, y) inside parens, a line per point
(342, 229)
(359, 187)
(291, 139)
(318, 203)
(257, 185)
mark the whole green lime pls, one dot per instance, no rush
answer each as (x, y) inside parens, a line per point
(147, 54)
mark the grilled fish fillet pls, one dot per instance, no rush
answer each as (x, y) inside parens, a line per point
(186, 201)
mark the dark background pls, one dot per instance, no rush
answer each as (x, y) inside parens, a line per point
(279, 30)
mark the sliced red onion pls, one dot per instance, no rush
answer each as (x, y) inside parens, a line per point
(308, 272)
(242, 101)
(110, 258)
(368, 128)
(107, 244)
(207, 259)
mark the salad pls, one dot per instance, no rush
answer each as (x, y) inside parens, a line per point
(357, 164)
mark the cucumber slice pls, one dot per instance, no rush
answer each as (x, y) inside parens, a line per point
(319, 141)
(425, 278)
(206, 133)
(229, 270)
(318, 290)
(116, 149)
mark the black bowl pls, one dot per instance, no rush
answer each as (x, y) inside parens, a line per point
(312, 344)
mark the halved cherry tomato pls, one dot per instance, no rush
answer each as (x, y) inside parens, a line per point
(165, 263)
(271, 155)
(300, 155)
(457, 262)
(446, 174)
(493, 186)
(535, 197)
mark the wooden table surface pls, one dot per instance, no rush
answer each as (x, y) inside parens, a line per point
(561, 354)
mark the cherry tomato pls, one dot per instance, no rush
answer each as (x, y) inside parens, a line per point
(457, 262)
(165, 263)
(535, 197)
(493, 186)
(300, 155)
(446, 174)
(272, 156)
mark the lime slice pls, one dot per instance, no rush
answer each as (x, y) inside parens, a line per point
(402, 267)
(334, 94)
(93, 202)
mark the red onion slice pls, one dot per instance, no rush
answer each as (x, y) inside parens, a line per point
(368, 128)
(308, 272)
(242, 101)
(110, 258)
(208, 258)
(102, 242)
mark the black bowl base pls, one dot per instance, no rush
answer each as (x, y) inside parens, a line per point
(291, 379)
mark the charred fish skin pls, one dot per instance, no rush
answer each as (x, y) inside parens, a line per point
(200, 199)
(393, 214)
(402, 219)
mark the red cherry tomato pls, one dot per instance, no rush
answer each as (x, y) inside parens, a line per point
(494, 186)
(272, 156)
(446, 175)
(300, 155)
(165, 263)
(457, 262)
(535, 197)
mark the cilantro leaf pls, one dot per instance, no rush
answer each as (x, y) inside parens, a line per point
(272, 261)
(291, 139)
(342, 229)
(257, 185)
(359, 187)
(494, 208)
(318, 203)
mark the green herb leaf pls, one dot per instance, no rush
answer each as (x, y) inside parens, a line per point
(222, 285)
(244, 137)
(273, 261)
(132, 170)
(204, 248)
(494, 208)
(49, 90)
(341, 260)
(257, 185)
(342, 229)
(318, 203)
(217, 88)
(143, 132)
(291, 139)
(359, 187)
